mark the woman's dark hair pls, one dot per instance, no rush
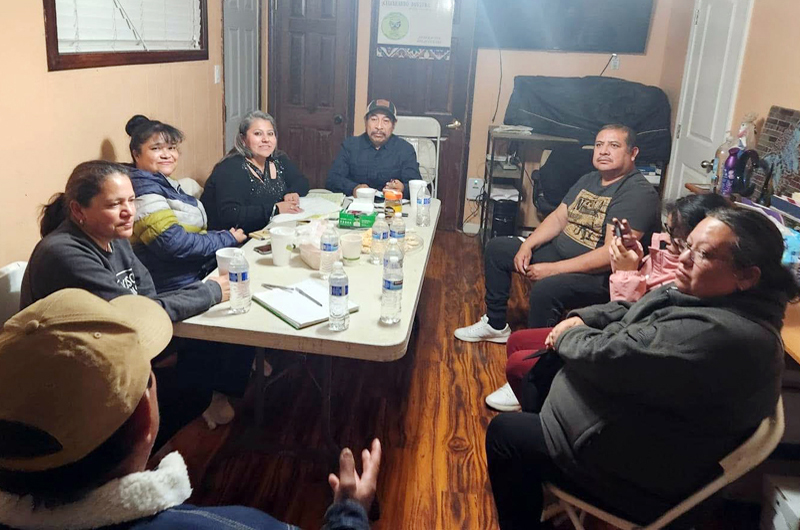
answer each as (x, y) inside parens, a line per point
(83, 185)
(141, 128)
(758, 244)
(687, 212)
(71, 482)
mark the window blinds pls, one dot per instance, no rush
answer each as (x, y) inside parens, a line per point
(86, 26)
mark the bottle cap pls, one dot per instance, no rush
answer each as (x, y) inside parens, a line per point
(394, 259)
(392, 240)
(337, 265)
(391, 194)
(381, 216)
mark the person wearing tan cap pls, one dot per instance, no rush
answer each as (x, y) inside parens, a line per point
(376, 159)
(79, 416)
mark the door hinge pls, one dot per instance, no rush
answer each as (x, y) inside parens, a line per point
(696, 15)
(678, 132)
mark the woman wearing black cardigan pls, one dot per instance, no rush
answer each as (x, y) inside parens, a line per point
(254, 181)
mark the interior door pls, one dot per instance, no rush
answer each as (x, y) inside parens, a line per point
(312, 62)
(711, 75)
(241, 52)
(436, 88)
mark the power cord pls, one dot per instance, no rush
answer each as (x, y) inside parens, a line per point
(606, 66)
(500, 85)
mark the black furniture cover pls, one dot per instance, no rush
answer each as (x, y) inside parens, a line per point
(577, 107)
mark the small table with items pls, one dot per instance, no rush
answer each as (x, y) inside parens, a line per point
(366, 338)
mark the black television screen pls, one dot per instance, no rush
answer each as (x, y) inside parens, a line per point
(612, 26)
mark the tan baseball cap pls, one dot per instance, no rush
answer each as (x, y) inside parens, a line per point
(74, 367)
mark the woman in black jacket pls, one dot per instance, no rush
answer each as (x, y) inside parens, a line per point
(254, 181)
(652, 395)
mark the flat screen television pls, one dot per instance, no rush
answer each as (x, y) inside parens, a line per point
(599, 26)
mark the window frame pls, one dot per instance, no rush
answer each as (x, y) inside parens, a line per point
(71, 61)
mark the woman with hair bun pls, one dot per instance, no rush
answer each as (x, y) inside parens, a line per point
(169, 231)
(254, 181)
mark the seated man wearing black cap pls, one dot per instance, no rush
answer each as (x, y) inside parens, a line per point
(376, 159)
(79, 416)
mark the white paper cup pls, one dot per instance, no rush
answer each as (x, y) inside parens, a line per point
(351, 248)
(224, 258)
(413, 189)
(366, 193)
(282, 244)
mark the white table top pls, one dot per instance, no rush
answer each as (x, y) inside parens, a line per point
(366, 337)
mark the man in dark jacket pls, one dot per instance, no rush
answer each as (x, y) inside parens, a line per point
(375, 159)
(79, 416)
(654, 394)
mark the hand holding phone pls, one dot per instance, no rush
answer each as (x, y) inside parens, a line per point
(623, 231)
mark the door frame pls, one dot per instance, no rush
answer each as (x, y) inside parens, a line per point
(272, 59)
(670, 193)
(259, 100)
(469, 96)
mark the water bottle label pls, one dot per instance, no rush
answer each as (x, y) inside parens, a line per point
(238, 276)
(397, 235)
(340, 290)
(423, 202)
(330, 247)
(393, 285)
(380, 235)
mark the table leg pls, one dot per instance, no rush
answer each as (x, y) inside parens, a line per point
(327, 370)
(259, 405)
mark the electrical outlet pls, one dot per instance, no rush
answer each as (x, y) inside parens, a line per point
(474, 188)
(615, 62)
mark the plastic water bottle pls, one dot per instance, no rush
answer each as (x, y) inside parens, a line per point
(239, 278)
(380, 235)
(392, 295)
(329, 250)
(339, 317)
(392, 250)
(424, 207)
(397, 230)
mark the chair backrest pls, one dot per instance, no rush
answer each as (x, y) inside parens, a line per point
(425, 135)
(191, 187)
(744, 458)
(10, 283)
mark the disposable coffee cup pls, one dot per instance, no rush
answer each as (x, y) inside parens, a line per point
(282, 244)
(224, 258)
(365, 193)
(351, 248)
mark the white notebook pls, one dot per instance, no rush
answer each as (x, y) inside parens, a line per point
(296, 309)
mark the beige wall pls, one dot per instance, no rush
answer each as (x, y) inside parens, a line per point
(54, 120)
(771, 68)
(661, 65)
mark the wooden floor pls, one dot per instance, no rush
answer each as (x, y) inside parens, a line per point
(427, 409)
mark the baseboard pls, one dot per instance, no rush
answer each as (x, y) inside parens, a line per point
(471, 228)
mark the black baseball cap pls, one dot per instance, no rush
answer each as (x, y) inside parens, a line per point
(382, 106)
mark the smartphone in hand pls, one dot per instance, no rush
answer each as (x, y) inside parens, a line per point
(623, 231)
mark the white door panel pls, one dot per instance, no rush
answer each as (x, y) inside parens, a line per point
(711, 76)
(240, 48)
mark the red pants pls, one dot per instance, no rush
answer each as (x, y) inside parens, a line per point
(521, 344)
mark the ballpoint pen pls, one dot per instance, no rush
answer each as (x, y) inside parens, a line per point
(307, 296)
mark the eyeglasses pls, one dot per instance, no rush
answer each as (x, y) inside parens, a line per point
(697, 256)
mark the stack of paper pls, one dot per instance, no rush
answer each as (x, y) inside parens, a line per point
(296, 308)
(311, 206)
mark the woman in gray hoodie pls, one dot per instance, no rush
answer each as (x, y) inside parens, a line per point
(653, 394)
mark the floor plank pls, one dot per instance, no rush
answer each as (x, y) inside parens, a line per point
(427, 408)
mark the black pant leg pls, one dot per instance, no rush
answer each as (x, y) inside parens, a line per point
(519, 464)
(180, 401)
(498, 257)
(216, 366)
(551, 297)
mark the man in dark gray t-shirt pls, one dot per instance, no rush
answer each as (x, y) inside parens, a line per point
(566, 257)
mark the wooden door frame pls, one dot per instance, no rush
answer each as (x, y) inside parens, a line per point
(259, 101)
(467, 125)
(272, 59)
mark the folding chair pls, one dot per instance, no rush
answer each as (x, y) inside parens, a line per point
(425, 134)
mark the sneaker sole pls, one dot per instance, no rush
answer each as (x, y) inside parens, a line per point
(496, 340)
(504, 408)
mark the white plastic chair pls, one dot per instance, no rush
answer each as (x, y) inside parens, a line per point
(425, 134)
(752, 452)
(10, 284)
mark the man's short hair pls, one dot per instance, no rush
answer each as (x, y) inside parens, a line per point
(630, 134)
(73, 370)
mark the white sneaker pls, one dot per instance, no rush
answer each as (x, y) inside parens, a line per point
(220, 412)
(481, 330)
(503, 399)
